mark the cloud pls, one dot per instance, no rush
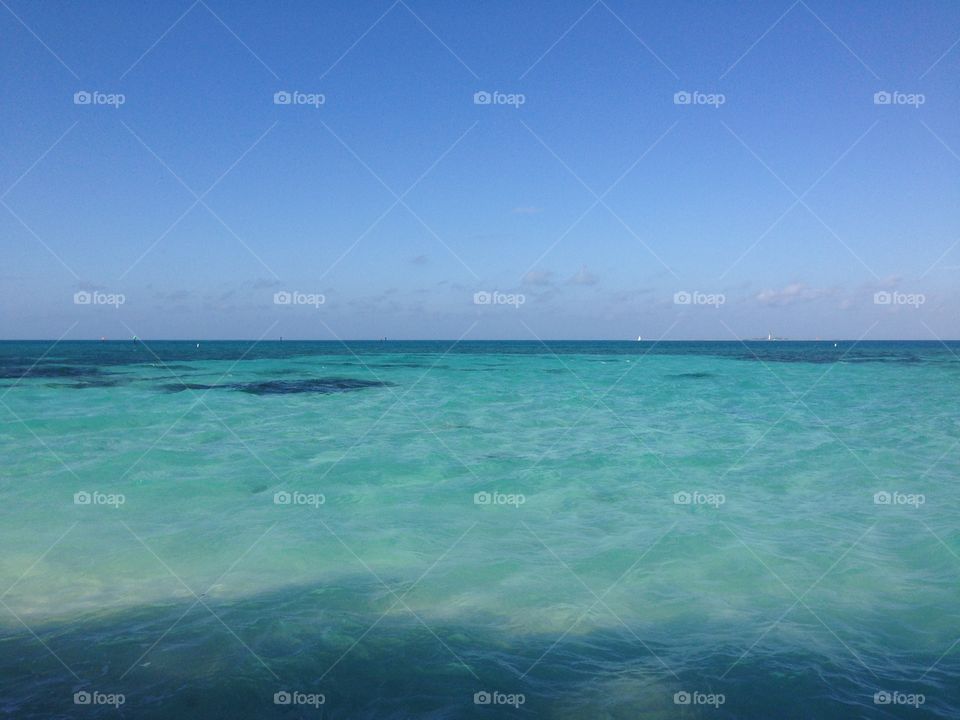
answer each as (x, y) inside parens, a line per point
(632, 295)
(172, 296)
(178, 296)
(420, 260)
(888, 283)
(265, 283)
(538, 277)
(528, 210)
(584, 277)
(793, 293)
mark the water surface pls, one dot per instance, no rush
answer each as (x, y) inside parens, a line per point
(399, 526)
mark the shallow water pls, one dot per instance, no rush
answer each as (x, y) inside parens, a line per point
(398, 526)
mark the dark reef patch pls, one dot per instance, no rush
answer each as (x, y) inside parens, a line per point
(180, 387)
(314, 385)
(48, 371)
(324, 386)
(105, 382)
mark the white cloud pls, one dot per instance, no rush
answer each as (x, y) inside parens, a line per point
(584, 277)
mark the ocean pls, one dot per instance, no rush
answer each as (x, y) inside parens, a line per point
(480, 529)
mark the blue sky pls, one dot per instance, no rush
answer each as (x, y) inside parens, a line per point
(783, 199)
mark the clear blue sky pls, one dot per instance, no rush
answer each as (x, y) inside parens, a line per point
(98, 198)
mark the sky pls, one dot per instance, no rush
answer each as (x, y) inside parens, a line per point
(486, 170)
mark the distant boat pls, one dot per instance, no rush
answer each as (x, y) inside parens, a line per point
(639, 338)
(769, 338)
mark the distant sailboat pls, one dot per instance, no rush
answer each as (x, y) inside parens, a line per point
(769, 338)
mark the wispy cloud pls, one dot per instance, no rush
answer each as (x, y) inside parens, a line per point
(888, 283)
(538, 277)
(584, 277)
(793, 293)
(265, 284)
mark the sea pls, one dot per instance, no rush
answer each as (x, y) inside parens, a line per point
(603, 530)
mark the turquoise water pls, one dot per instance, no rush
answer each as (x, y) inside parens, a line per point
(584, 529)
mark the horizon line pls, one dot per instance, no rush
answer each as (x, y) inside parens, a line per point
(465, 340)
